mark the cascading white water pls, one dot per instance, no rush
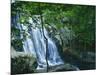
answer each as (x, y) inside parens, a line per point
(36, 43)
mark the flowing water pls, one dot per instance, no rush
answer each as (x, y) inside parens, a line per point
(36, 43)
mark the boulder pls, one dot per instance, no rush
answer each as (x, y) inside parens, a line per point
(22, 62)
(59, 68)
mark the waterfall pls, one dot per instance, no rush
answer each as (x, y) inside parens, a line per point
(36, 44)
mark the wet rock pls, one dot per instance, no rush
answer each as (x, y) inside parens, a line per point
(64, 67)
(59, 68)
(15, 53)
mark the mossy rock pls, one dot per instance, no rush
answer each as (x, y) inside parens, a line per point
(23, 64)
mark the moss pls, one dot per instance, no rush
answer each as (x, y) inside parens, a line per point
(23, 64)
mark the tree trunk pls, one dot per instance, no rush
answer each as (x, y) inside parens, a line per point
(46, 40)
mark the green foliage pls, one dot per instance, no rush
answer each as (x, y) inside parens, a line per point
(17, 44)
(78, 18)
(15, 32)
(23, 64)
(15, 41)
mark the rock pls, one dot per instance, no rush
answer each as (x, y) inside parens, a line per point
(58, 68)
(88, 57)
(22, 62)
(15, 53)
(84, 60)
(63, 67)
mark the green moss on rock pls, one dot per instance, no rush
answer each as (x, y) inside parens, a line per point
(23, 64)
